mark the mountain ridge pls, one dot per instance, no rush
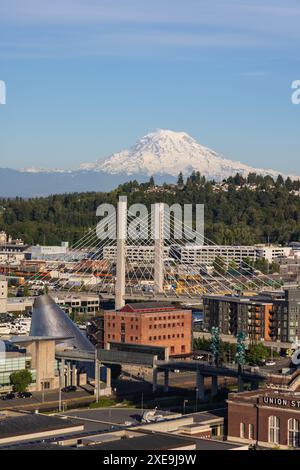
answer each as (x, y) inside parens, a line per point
(162, 154)
(166, 152)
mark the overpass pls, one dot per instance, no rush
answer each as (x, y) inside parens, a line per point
(107, 358)
(203, 370)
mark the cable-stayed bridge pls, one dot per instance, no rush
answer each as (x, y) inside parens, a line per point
(126, 257)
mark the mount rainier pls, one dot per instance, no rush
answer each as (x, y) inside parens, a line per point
(162, 154)
(166, 152)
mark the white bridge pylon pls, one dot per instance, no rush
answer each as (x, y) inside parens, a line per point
(159, 248)
(121, 252)
(158, 234)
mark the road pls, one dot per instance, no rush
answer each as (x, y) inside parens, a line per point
(50, 400)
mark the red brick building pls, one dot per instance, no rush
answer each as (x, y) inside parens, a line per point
(151, 323)
(269, 417)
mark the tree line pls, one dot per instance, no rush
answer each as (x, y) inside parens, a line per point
(238, 211)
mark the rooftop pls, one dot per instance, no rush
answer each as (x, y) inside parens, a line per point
(145, 307)
(157, 441)
(31, 423)
(255, 299)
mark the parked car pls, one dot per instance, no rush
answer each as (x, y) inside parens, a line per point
(270, 363)
(70, 388)
(25, 395)
(9, 396)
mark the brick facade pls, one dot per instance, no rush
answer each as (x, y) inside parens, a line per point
(249, 418)
(164, 326)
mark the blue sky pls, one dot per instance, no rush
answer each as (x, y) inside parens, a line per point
(86, 78)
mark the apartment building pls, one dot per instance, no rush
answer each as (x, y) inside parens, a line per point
(250, 315)
(286, 317)
(270, 317)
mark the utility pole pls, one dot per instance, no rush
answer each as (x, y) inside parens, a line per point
(215, 344)
(97, 375)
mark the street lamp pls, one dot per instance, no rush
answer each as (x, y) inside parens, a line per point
(184, 402)
(59, 394)
(142, 404)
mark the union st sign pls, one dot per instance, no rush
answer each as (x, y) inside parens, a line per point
(281, 402)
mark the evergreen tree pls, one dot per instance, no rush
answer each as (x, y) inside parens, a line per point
(180, 181)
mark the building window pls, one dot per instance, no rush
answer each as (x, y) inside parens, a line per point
(251, 431)
(242, 430)
(293, 432)
(274, 430)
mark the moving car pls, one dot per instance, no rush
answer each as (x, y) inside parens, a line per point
(70, 388)
(9, 396)
(24, 395)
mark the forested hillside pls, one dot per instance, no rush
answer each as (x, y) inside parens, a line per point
(237, 211)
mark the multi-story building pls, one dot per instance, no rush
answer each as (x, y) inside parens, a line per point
(269, 416)
(195, 255)
(250, 315)
(206, 254)
(139, 254)
(272, 252)
(14, 361)
(286, 317)
(271, 316)
(151, 323)
(47, 252)
(7, 243)
(78, 303)
(70, 303)
(36, 354)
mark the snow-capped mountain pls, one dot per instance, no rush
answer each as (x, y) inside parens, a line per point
(166, 152)
(162, 153)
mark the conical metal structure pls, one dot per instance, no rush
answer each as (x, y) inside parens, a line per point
(48, 319)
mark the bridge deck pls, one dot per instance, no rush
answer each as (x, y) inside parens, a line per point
(207, 370)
